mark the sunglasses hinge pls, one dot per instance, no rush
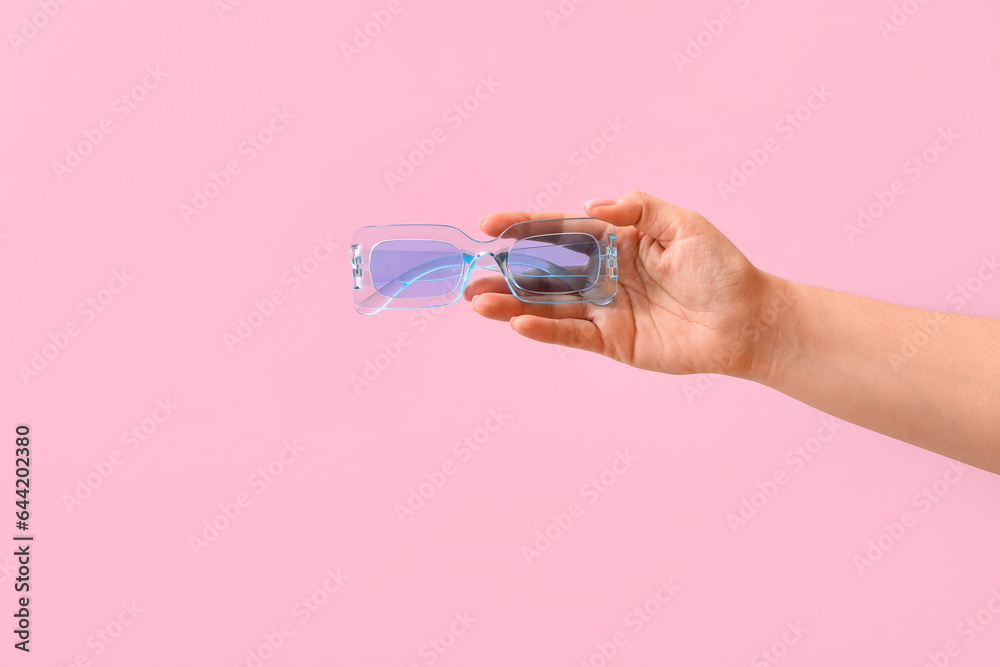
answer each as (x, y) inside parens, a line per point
(356, 271)
(612, 258)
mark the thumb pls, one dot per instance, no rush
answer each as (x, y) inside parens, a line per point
(652, 216)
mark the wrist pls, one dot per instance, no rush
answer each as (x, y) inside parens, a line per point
(768, 327)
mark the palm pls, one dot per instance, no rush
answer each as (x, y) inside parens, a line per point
(678, 308)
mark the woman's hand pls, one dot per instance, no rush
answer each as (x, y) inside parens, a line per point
(688, 300)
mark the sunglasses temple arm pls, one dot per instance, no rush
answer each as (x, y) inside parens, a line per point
(381, 298)
(546, 267)
(385, 294)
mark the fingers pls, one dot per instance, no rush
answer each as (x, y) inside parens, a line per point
(661, 220)
(502, 307)
(495, 223)
(579, 334)
(486, 285)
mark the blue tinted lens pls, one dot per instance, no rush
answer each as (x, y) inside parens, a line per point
(413, 269)
(555, 263)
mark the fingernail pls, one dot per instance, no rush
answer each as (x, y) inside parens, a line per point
(481, 220)
(512, 322)
(474, 301)
(594, 203)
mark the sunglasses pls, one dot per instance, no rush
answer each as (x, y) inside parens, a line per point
(542, 261)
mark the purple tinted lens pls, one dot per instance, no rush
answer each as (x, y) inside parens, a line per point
(555, 263)
(414, 269)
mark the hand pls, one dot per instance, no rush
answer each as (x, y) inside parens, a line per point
(688, 300)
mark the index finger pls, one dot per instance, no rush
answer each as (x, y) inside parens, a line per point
(494, 224)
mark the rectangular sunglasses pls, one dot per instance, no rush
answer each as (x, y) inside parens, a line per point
(542, 261)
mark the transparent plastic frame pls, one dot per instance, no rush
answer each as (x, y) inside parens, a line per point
(602, 280)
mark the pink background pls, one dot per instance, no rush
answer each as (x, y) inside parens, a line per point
(697, 456)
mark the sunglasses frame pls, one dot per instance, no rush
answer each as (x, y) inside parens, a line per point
(490, 254)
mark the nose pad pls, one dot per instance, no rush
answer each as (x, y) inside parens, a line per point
(486, 260)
